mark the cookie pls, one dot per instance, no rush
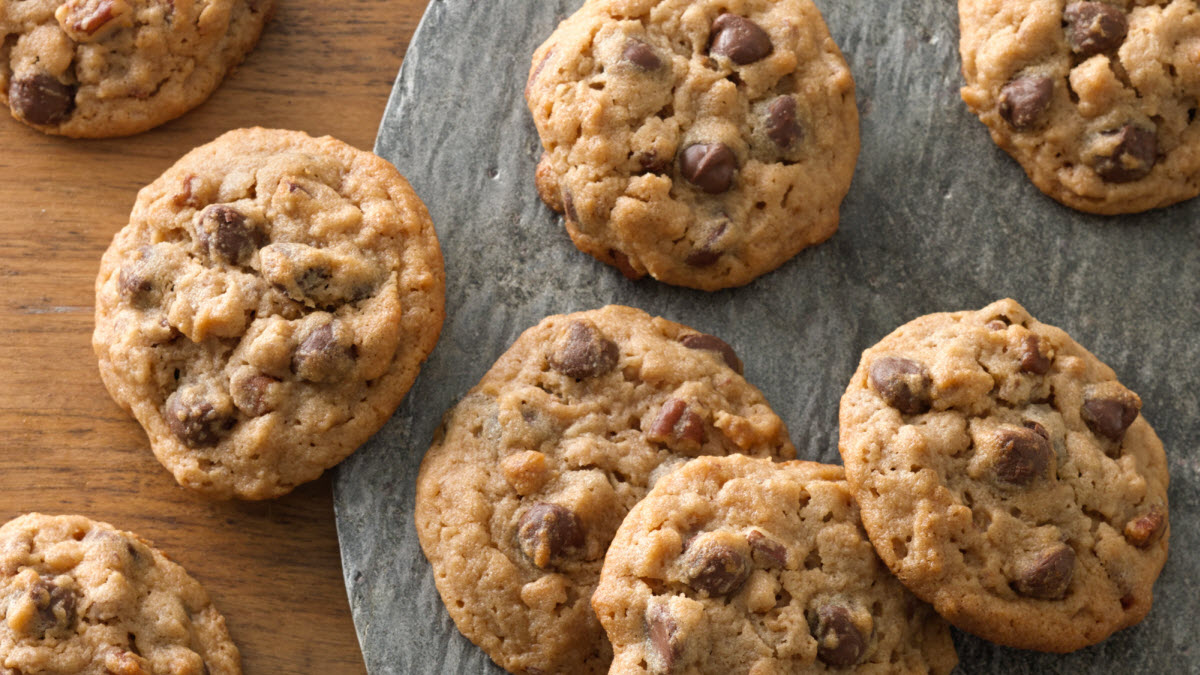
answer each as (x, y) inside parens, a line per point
(530, 474)
(701, 142)
(267, 307)
(101, 68)
(78, 596)
(1007, 477)
(1095, 100)
(733, 565)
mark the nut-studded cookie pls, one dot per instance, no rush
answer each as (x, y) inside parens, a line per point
(532, 472)
(1096, 99)
(98, 68)
(267, 308)
(733, 565)
(1007, 477)
(702, 143)
(78, 596)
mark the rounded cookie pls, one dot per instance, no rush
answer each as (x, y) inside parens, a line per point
(530, 474)
(701, 142)
(1096, 99)
(100, 68)
(733, 565)
(78, 596)
(267, 308)
(1007, 477)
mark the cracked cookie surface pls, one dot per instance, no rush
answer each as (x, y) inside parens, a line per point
(100, 68)
(733, 565)
(1096, 100)
(702, 143)
(267, 308)
(1007, 477)
(78, 596)
(530, 474)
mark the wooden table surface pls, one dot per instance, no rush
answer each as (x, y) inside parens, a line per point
(272, 567)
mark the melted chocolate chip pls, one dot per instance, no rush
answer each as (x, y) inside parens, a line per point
(1036, 428)
(713, 343)
(650, 162)
(708, 253)
(1032, 358)
(226, 236)
(714, 568)
(1024, 455)
(1146, 528)
(739, 38)
(1094, 27)
(41, 99)
(137, 290)
(782, 127)
(250, 395)
(1132, 158)
(546, 531)
(196, 422)
(584, 352)
(769, 552)
(641, 55)
(839, 642)
(1023, 100)
(709, 166)
(664, 636)
(55, 607)
(1109, 409)
(321, 357)
(904, 384)
(1046, 575)
(677, 424)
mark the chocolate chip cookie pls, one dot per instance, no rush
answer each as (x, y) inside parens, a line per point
(77, 596)
(703, 143)
(267, 308)
(733, 565)
(99, 68)
(532, 472)
(1096, 100)
(1007, 477)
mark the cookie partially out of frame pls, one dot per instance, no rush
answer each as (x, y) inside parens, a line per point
(267, 308)
(78, 596)
(703, 143)
(532, 472)
(733, 565)
(1007, 477)
(99, 68)
(1096, 99)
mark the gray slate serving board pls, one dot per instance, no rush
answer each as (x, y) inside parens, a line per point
(937, 219)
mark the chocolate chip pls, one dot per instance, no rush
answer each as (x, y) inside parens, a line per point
(1037, 428)
(651, 162)
(708, 253)
(41, 99)
(713, 343)
(136, 288)
(1109, 409)
(714, 568)
(195, 421)
(771, 552)
(584, 352)
(839, 642)
(1023, 100)
(1132, 158)
(1023, 455)
(1046, 575)
(1146, 528)
(1094, 27)
(569, 206)
(739, 38)
(677, 424)
(709, 166)
(322, 357)
(904, 384)
(782, 127)
(1032, 358)
(546, 531)
(226, 236)
(252, 394)
(664, 636)
(641, 55)
(55, 608)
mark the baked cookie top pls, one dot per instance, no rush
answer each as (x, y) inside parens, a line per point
(1096, 100)
(267, 308)
(99, 68)
(530, 474)
(1007, 477)
(701, 142)
(77, 596)
(733, 565)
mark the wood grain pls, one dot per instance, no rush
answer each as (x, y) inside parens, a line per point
(272, 568)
